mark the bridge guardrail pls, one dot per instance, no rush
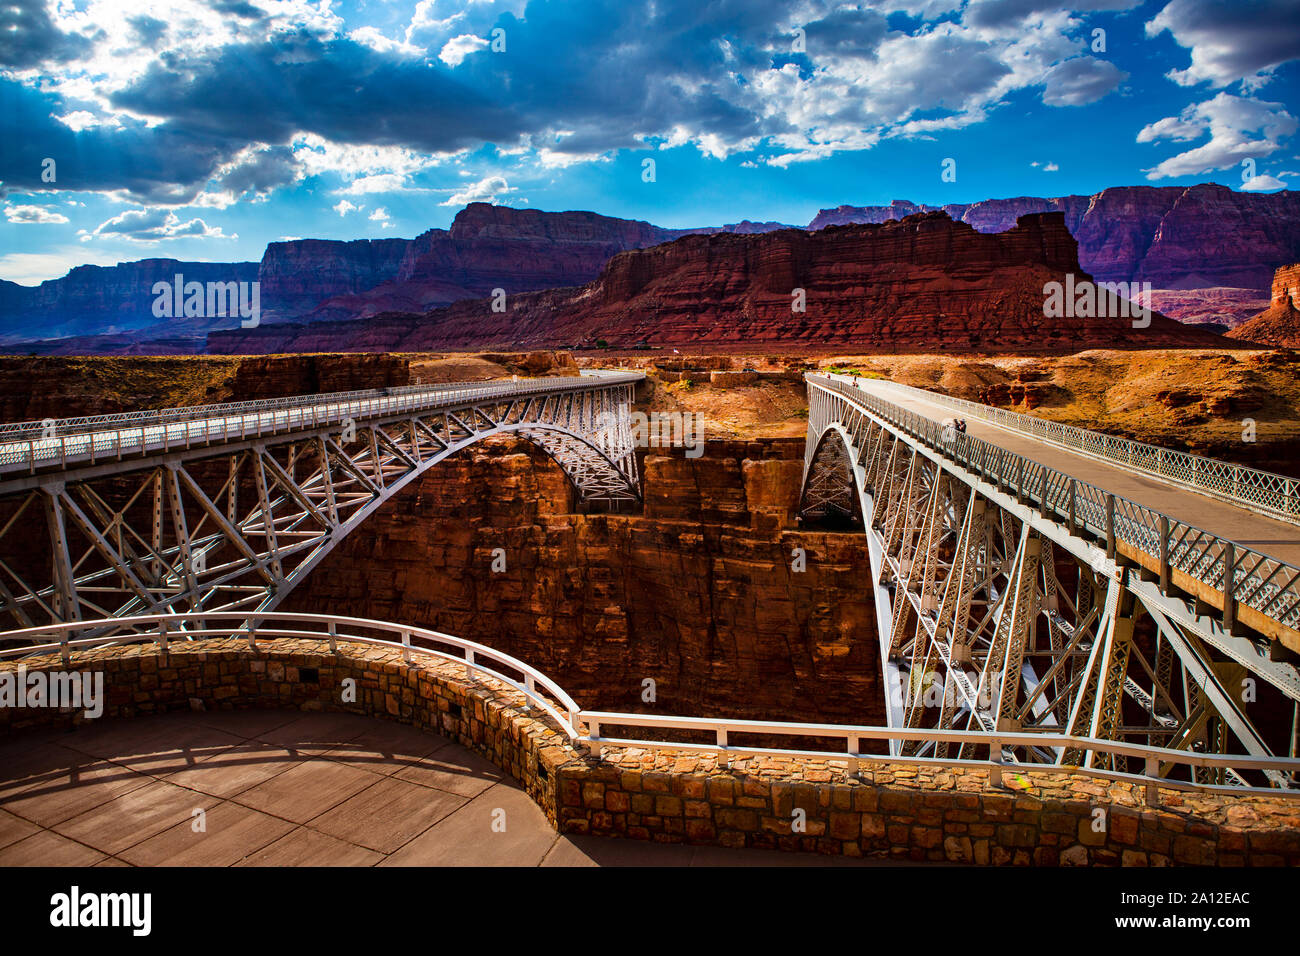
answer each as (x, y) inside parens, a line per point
(583, 727)
(25, 445)
(1244, 577)
(1262, 491)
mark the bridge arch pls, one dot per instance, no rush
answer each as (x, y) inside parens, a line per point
(1030, 601)
(830, 486)
(229, 507)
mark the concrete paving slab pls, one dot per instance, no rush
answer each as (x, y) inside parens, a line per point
(303, 792)
(135, 816)
(47, 848)
(13, 829)
(455, 770)
(388, 749)
(388, 814)
(230, 833)
(473, 836)
(304, 847)
(236, 769)
(315, 734)
(79, 788)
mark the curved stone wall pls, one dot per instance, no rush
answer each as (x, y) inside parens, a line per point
(1041, 817)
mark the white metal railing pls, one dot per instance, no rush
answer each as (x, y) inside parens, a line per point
(1246, 577)
(167, 629)
(29, 445)
(584, 728)
(1263, 491)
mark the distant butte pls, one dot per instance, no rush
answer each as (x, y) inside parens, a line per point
(920, 284)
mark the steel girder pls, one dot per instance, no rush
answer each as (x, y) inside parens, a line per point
(238, 525)
(996, 618)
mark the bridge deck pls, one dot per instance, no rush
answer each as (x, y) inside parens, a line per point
(1275, 538)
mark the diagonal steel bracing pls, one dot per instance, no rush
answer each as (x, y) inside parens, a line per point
(1002, 614)
(227, 512)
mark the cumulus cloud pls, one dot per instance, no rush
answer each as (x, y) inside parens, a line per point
(1262, 183)
(233, 100)
(485, 190)
(33, 214)
(343, 207)
(153, 225)
(1230, 40)
(1081, 80)
(1238, 128)
(455, 50)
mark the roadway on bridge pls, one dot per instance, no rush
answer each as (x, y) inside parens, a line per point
(1278, 539)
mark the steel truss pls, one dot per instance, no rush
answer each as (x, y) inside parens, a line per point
(236, 523)
(995, 616)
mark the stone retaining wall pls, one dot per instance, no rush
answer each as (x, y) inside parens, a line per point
(1040, 817)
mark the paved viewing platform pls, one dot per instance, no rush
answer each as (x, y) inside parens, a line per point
(282, 788)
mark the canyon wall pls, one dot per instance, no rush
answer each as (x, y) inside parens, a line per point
(920, 284)
(298, 273)
(698, 594)
(1279, 324)
(497, 247)
(103, 299)
(1174, 237)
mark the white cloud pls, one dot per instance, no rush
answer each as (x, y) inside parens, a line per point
(457, 48)
(1230, 40)
(343, 207)
(34, 215)
(154, 225)
(485, 190)
(1230, 122)
(1081, 80)
(1262, 184)
(379, 215)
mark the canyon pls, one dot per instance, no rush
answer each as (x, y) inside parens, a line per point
(697, 591)
(1174, 237)
(920, 283)
(114, 301)
(1209, 252)
(1277, 326)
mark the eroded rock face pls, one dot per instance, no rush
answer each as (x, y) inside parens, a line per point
(103, 299)
(1279, 324)
(697, 595)
(923, 283)
(299, 273)
(1171, 236)
(495, 247)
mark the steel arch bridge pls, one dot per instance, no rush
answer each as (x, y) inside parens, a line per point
(229, 507)
(1015, 597)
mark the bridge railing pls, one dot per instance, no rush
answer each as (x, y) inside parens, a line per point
(1262, 491)
(698, 734)
(1244, 577)
(27, 445)
(165, 630)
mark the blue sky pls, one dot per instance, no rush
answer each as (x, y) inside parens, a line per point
(203, 130)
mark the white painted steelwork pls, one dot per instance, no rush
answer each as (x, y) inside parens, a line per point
(230, 506)
(1016, 599)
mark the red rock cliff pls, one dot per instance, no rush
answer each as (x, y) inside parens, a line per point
(698, 595)
(919, 284)
(1279, 324)
(1172, 236)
